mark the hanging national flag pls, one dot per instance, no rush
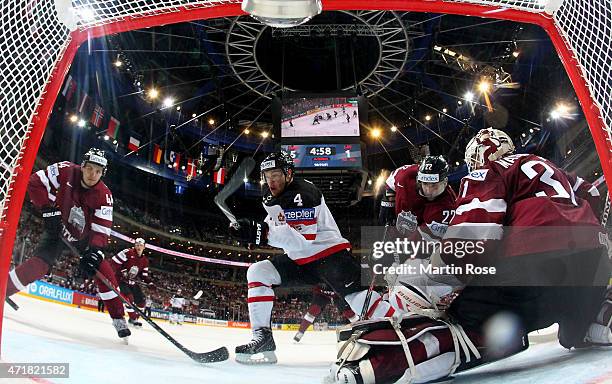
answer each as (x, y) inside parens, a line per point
(191, 168)
(219, 176)
(113, 126)
(157, 153)
(97, 116)
(177, 161)
(84, 102)
(134, 144)
(69, 88)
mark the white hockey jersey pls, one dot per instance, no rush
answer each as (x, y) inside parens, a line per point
(301, 224)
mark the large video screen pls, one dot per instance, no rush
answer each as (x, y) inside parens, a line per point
(319, 116)
(325, 155)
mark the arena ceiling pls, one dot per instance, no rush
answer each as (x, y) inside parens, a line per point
(415, 70)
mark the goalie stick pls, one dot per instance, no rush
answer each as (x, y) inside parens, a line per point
(244, 170)
(219, 354)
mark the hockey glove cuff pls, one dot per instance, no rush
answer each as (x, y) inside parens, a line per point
(90, 261)
(250, 232)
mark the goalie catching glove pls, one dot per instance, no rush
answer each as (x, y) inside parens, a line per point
(250, 232)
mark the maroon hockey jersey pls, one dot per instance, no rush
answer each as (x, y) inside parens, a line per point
(87, 213)
(123, 263)
(432, 216)
(526, 205)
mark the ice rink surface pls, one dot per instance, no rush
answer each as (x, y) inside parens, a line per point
(45, 332)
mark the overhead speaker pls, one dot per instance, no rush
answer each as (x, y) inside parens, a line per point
(282, 13)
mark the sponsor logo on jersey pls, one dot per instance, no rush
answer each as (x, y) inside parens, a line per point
(478, 175)
(293, 216)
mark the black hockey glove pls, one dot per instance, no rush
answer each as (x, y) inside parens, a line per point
(250, 232)
(90, 261)
(52, 218)
(386, 215)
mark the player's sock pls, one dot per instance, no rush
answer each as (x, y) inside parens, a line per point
(260, 301)
(32, 269)
(113, 304)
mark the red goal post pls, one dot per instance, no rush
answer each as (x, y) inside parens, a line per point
(39, 39)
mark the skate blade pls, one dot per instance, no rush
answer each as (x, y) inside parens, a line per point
(268, 357)
(125, 340)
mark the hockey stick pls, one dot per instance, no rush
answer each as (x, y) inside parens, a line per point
(220, 354)
(10, 302)
(244, 170)
(366, 302)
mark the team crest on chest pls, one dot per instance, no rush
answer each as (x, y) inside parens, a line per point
(77, 218)
(281, 217)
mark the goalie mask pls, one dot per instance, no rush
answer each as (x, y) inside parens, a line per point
(432, 177)
(488, 145)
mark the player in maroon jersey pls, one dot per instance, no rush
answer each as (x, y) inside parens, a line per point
(131, 265)
(543, 240)
(320, 298)
(76, 205)
(419, 200)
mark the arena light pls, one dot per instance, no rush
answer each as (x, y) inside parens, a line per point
(246, 180)
(516, 54)
(211, 121)
(444, 110)
(375, 133)
(168, 102)
(193, 115)
(246, 131)
(81, 123)
(261, 182)
(468, 96)
(153, 93)
(427, 117)
(394, 129)
(118, 63)
(264, 134)
(106, 137)
(282, 13)
(178, 107)
(560, 110)
(484, 86)
(74, 118)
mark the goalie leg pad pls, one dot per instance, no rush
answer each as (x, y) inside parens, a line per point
(417, 350)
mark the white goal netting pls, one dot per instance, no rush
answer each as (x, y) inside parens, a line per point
(33, 43)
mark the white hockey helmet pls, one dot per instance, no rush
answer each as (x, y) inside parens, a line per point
(488, 145)
(140, 241)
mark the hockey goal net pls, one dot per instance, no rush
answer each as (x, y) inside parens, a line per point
(39, 39)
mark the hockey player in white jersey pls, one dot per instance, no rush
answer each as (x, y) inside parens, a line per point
(177, 302)
(300, 223)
